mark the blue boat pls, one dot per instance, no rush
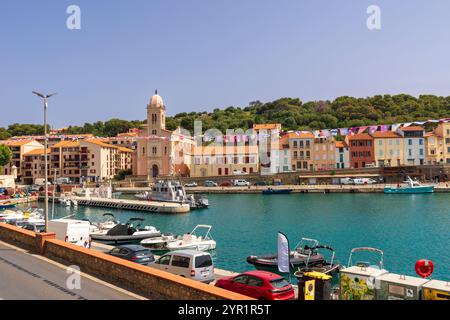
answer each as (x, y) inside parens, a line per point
(7, 206)
(277, 191)
(412, 187)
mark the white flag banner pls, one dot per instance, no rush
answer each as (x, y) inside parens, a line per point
(283, 253)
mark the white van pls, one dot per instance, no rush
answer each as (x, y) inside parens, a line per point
(73, 231)
(347, 181)
(363, 181)
(62, 181)
(193, 264)
(241, 183)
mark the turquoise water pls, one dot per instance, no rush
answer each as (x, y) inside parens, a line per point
(405, 227)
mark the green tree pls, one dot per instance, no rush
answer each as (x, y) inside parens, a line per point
(5, 156)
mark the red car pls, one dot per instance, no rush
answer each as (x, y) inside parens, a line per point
(226, 184)
(260, 285)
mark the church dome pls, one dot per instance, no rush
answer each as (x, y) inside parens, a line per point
(156, 101)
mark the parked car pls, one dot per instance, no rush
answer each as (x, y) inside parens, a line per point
(239, 173)
(363, 181)
(257, 284)
(261, 183)
(209, 183)
(241, 183)
(35, 227)
(226, 184)
(191, 184)
(347, 181)
(193, 264)
(134, 253)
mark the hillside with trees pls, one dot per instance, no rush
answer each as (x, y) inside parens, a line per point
(292, 113)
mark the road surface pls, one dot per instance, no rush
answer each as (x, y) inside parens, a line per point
(24, 276)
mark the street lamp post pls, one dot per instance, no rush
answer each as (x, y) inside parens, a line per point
(45, 97)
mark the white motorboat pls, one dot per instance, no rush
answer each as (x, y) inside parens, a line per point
(104, 226)
(142, 195)
(159, 243)
(125, 233)
(193, 241)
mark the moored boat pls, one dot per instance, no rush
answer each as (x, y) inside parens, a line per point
(170, 191)
(125, 233)
(193, 241)
(411, 187)
(270, 191)
(159, 243)
(302, 256)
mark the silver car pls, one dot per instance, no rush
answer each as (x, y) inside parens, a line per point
(196, 265)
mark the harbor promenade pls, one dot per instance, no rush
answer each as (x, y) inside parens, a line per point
(328, 188)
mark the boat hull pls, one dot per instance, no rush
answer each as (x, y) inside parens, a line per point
(408, 190)
(123, 239)
(283, 191)
(192, 246)
(270, 262)
(7, 206)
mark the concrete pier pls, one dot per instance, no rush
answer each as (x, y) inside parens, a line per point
(125, 204)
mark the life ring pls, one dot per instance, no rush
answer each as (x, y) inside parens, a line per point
(424, 268)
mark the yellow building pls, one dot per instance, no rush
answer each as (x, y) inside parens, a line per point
(301, 146)
(443, 132)
(433, 148)
(388, 149)
(211, 161)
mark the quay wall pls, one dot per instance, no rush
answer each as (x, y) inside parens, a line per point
(17, 236)
(143, 280)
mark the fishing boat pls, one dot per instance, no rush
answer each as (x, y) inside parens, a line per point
(302, 256)
(193, 241)
(411, 187)
(126, 233)
(270, 191)
(170, 191)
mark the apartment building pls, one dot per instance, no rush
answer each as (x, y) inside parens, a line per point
(268, 145)
(219, 161)
(414, 145)
(388, 149)
(18, 149)
(33, 166)
(361, 150)
(342, 155)
(443, 130)
(324, 154)
(434, 153)
(301, 146)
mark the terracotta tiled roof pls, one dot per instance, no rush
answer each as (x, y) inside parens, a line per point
(267, 126)
(302, 135)
(67, 144)
(36, 152)
(412, 128)
(123, 149)
(16, 143)
(362, 136)
(385, 135)
(341, 144)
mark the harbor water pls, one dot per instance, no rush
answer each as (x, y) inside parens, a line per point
(406, 227)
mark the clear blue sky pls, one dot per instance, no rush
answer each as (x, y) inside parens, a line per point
(203, 54)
